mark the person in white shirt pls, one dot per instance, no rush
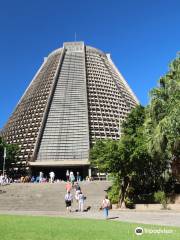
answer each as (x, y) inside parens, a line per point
(52, 175)
(40, 177)
(68, 201)
(81, 199)
(1, 179)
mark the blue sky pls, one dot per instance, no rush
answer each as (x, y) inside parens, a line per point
(143, 36)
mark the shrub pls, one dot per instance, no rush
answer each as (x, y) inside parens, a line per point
(160, 197)
(129, 203)
(129, 199)
(113, 194)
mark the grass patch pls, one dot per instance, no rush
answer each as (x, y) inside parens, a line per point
(56, 228)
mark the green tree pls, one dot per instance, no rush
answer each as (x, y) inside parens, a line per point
(126, 159)
(12, 151)
(163, 119)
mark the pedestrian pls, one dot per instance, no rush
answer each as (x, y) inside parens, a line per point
(1, 179)
(41, 177)
(77, 192)
(105, 206)
(52, 176)
(81, 199)
(76, 186)
(78, 177)
(68, 186)
(6, 179)
(72, 178)
(68, 201)
(33, 179)
(67, 175)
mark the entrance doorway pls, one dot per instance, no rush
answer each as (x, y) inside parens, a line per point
(60, 172)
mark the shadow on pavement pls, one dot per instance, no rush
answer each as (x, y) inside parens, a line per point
(112, 218)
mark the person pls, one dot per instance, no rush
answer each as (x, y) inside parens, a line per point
(37, 179)
(81, 199)
(1, 179)
(76, 186)
(77, 189)
(68, 186)
(52, 175)
(77, 192)
(33, 179)
(22, 179)
(105, 206)
(68, 201)
(6, 179)
(72, 178)
(41, 177)
(67, 175)
(78, 177)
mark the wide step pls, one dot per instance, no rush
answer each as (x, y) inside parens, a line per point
(48, 197)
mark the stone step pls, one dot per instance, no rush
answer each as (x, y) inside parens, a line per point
(48, 197)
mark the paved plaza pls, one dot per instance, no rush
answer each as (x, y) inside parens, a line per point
(166, 218)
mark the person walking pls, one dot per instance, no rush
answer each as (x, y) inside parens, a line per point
(68, 186)
(76, 186)
(81, 199)
(72, 178)
(105, 206)
(77, 177)
(67, 175)
(77, 192)
(1, 179)
(40, 177)
(68, 201)
(52, 176)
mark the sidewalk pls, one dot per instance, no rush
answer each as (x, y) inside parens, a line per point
(166, 218)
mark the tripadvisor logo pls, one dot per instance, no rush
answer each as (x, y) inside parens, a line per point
(139, 231)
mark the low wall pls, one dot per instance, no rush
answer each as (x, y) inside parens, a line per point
(155, 207)
(177, 198)
(151, 207)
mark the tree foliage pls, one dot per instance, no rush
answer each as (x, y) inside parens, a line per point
(163, 117)
(12, 151)
(126, 159)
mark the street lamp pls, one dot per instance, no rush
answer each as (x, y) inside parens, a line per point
(4, 163)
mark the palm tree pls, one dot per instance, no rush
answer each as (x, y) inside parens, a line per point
(163, 117)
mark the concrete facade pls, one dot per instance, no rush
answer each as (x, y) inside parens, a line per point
(77, 96)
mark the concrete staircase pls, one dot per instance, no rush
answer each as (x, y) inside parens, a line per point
(48, 197)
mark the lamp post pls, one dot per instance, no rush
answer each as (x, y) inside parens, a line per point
(4, 163)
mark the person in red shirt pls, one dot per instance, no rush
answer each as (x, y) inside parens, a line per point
(68, 186)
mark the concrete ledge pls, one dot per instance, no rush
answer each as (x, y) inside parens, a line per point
(61, 163)
(150, 207)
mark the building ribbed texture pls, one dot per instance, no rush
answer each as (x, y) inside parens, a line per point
(76, 97)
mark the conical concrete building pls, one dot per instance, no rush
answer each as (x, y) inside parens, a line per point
(77, 96)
